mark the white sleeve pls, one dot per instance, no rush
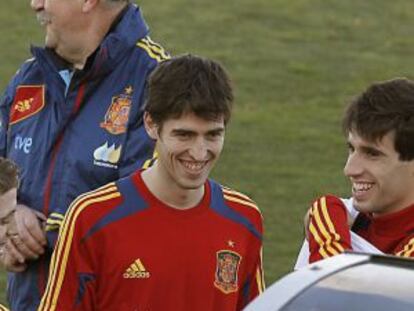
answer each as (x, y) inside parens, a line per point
(358, 243)
(349, 204)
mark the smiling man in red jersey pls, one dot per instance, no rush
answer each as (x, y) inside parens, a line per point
(165, 238)
(379, 125)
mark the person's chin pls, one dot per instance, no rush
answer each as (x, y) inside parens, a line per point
(50, 42)
(363, 206)
(49, 45)
(192, 182)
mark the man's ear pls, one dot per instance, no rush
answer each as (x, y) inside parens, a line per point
(88, 5)
(150, 126)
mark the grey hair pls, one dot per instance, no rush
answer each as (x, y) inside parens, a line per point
(115, 3)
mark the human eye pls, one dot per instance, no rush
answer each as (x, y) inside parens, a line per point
(213, 135)
(183, 135)
(373, 153)
(350, 148)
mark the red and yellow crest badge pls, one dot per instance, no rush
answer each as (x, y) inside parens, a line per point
(28, 101)
(228, 263)
(116, 118)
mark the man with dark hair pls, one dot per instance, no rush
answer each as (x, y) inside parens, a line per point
(165, 238)
(72, 120)
(380, 128)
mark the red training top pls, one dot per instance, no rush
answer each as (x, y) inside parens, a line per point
(330, 234)
(120, 248)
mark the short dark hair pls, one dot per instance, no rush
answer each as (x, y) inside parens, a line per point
(9, 175)
(382, 108)
(186, 84)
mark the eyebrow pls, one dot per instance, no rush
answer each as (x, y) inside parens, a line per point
(216, 130)
(188, 131)
(181, 131)
(366, 149)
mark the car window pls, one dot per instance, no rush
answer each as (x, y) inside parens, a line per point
(364, 287)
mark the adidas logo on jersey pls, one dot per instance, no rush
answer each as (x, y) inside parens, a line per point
(136, 271)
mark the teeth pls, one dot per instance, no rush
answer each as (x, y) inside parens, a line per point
(362, 186)
(194, 166)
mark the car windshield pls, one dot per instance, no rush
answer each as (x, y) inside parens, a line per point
(364, 287)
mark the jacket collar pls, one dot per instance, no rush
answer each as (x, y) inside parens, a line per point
(123, 35)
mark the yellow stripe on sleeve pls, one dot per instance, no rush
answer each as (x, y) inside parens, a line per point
(57, 215)
(260, 274)
(153, 49)
(148, 163)
(62, 249)
(156, 47)
(54, 222)
(243, 202)
(407, 250)
(329, 239)
(149, 51)
(51, 228)
(331, 227)
(237, 194)
(318, 240)
(259, 280)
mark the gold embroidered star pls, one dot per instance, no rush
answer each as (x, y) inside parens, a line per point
(231, 243)
(129, 90)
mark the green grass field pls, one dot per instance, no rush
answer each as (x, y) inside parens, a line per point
(295, 64)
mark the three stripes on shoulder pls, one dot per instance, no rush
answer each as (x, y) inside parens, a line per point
(154, 50)
(240, 198)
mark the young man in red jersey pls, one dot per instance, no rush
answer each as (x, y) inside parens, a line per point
(380, 165)
(165, 238)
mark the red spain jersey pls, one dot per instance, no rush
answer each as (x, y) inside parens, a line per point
(120, 248)
(330, 234)
(391, 233)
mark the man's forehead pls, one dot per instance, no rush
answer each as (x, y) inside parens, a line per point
(191, 120)
(189, 128)
(386, 140)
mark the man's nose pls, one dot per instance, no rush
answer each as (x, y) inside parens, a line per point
(199, 150)
(353, 165)
(37, 5)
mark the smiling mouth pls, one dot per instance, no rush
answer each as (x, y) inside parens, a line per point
(194, 167)
(360, 188)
